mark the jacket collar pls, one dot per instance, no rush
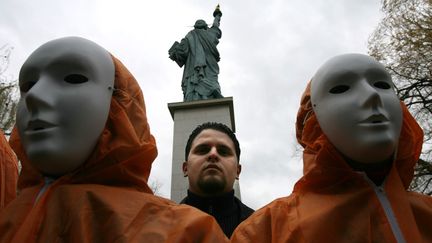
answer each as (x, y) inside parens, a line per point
(223, 204)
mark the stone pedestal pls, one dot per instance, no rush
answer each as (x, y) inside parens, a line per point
(187, 116)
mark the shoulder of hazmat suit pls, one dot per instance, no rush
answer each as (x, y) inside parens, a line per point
(8, 172)
(333, 203)
(107, 199)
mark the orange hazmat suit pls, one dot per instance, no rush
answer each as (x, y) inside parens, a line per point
(334, 203)
(106, 199)
(8, 172)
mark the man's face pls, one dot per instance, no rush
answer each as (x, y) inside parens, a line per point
(212, 164)
(357, 108)
(64, 104)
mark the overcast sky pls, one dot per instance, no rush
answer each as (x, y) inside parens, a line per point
(269, 50)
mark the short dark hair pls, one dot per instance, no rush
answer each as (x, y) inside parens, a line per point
(215, 126)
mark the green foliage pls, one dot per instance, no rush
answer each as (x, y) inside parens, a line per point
(8, 92)
(403, 42)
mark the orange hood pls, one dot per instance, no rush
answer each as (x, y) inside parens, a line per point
(125, 150)
(319, 154)
(8, 172)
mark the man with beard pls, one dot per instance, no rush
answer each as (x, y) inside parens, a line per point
(212, 165)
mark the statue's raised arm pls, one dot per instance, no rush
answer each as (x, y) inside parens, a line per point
(198, 54)
(217, 14)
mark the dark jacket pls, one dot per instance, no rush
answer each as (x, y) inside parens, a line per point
(228, 210)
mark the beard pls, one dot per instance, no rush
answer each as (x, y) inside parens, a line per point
(212, 185)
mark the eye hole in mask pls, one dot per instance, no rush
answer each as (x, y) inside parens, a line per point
(382, 85)
(339, 89)
(75, 78)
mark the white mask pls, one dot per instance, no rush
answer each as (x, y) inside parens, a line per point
(357, 109)
(66, 87)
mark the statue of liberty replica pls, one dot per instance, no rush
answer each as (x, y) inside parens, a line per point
(198, 54)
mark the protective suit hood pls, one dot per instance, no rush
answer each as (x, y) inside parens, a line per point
(8, 172)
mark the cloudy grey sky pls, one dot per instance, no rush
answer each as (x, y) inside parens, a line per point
(269, 50)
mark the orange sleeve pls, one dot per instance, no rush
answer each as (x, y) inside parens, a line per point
(196, 227)
(275, 222)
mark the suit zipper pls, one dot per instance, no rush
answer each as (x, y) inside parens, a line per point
(48, 181)
(385, 204)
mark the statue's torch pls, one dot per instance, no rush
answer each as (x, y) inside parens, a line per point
(217, 11)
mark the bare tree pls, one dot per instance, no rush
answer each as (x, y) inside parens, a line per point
(8, 91)
(155, 186)
(403, 42)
